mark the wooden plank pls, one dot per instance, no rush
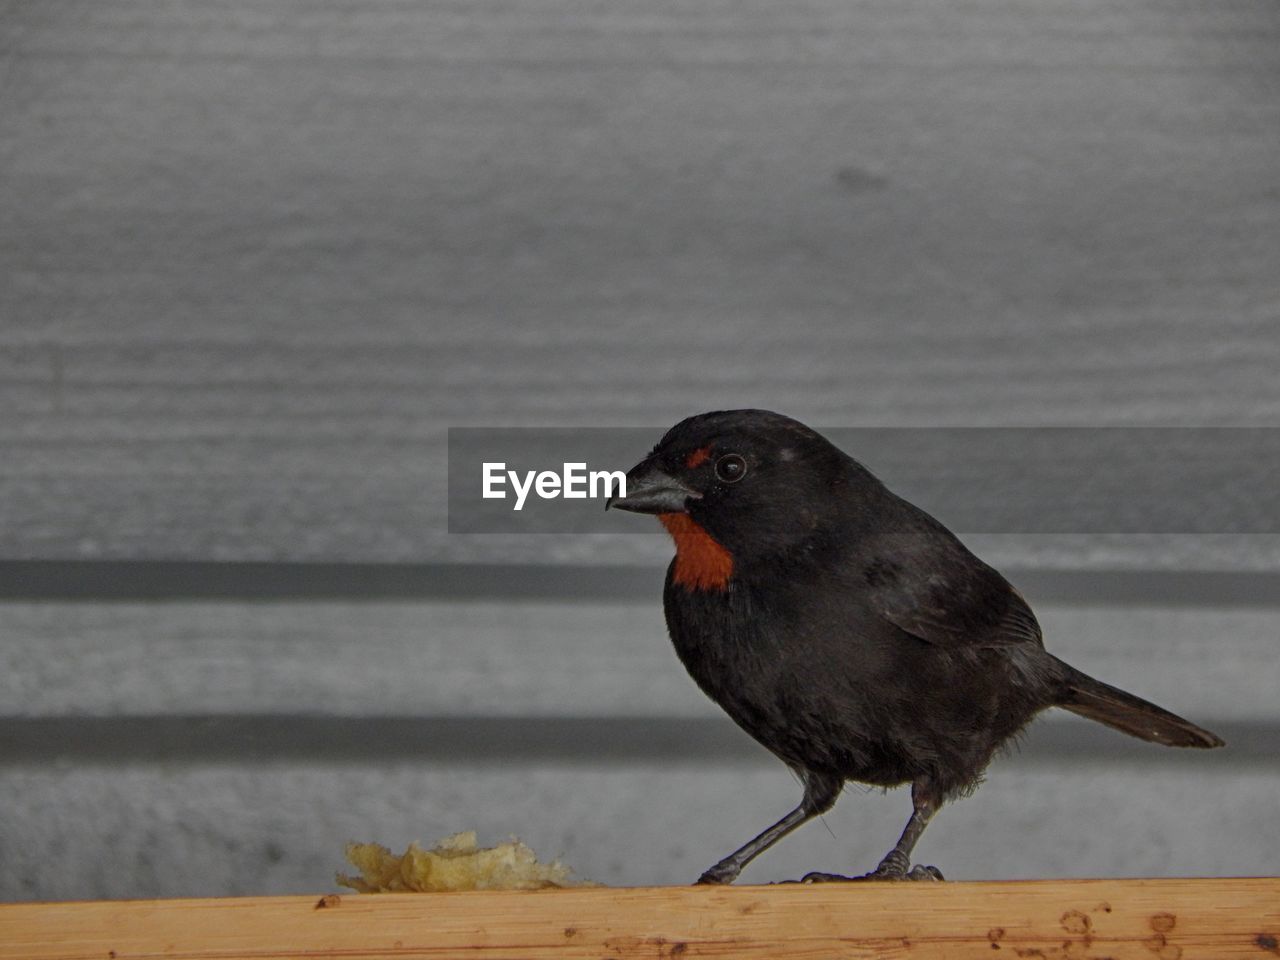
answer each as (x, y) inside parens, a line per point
(184, 827)
(45, 581)
(263, 738)
(257, 261)
(519, 659)
(1122, 919)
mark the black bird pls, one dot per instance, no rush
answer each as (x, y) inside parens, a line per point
(847, 630)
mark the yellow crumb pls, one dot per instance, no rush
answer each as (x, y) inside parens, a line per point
(457, 863)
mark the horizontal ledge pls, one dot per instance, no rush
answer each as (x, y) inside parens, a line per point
(264, 738)
(1224, 918)
(261, 580)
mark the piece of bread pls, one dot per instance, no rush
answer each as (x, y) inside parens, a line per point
(456, 863)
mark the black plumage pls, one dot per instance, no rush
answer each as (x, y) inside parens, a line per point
(847, 630)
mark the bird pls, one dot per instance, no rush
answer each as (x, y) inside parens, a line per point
(848, 631)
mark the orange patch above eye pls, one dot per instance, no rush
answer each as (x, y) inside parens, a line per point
(701, 562)
(697, 458)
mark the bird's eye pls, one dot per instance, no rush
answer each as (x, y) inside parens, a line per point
(731, 468)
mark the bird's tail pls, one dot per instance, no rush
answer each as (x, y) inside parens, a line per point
(1122, 711)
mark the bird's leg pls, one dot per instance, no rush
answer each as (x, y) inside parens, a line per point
(896, 864)
(820, 793)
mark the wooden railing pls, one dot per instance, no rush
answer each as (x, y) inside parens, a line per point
(1141, 919)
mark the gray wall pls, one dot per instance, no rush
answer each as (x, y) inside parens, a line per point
(256, 257)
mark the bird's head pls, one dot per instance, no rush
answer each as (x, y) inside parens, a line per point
(757, 483)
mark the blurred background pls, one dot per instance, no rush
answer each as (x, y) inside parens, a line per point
(256, 256)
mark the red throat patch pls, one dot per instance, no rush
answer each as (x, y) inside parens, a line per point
(701, 562)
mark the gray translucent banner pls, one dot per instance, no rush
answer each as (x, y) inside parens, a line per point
(1043, 480)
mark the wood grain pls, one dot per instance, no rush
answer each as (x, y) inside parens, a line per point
(259, 256)
(519, 660)
(187, 828)
(212, 748)
(1135, 919)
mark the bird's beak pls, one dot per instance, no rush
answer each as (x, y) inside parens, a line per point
(650, 490)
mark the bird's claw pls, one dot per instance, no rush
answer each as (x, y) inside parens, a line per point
(919, 872)
(927, 873)
(816, 877)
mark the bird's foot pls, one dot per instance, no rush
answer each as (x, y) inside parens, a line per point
(897, 866)
(816, 877)
(925, 872)
(918, 872)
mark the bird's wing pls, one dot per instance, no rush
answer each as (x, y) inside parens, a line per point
(946, 596)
